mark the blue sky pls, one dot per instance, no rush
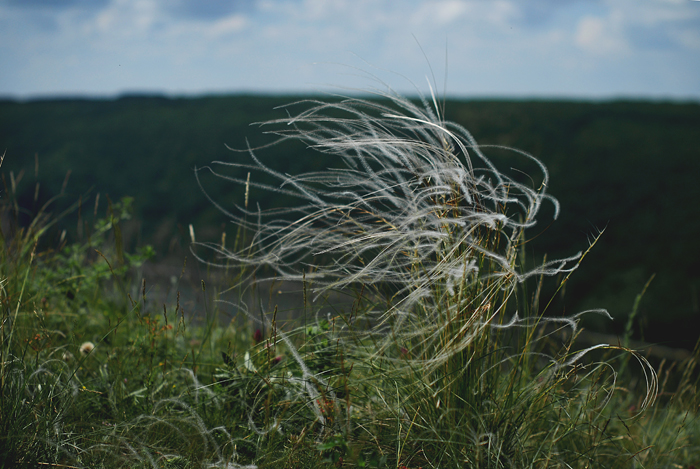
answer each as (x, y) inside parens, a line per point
(508, 48)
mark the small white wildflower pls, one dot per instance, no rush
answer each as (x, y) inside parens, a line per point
(86, 348)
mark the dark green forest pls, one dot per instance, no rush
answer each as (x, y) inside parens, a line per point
(628, 167)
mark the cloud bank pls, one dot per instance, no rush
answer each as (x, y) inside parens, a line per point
(526, 48)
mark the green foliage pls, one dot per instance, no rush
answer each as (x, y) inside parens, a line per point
(50, 297)
(428, 367)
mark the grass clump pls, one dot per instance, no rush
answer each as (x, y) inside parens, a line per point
(424, 338)
(453, 364)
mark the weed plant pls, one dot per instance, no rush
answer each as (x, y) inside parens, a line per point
(446, 354)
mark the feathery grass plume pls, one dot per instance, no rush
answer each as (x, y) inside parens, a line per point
(419, 212)
(431, 232)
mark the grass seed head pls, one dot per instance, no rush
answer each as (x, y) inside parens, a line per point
(86, 348)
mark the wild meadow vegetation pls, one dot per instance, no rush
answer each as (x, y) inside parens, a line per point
(607, 159)
(427, 335)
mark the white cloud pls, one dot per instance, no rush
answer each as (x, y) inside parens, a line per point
(128, 17)
(634, 26)
(464, 13)
(321, 10)
(689, 38)
(230, 24)
(494, 46)
(599, 36)
(442, 12)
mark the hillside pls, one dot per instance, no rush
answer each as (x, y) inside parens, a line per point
(628, 167)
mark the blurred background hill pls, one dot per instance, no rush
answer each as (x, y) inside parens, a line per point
(629, 167)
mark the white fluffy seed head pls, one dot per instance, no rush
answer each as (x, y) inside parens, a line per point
(417, 218)
(86, 348)
(417, 208)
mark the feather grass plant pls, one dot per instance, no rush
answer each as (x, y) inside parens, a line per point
(451, 364)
